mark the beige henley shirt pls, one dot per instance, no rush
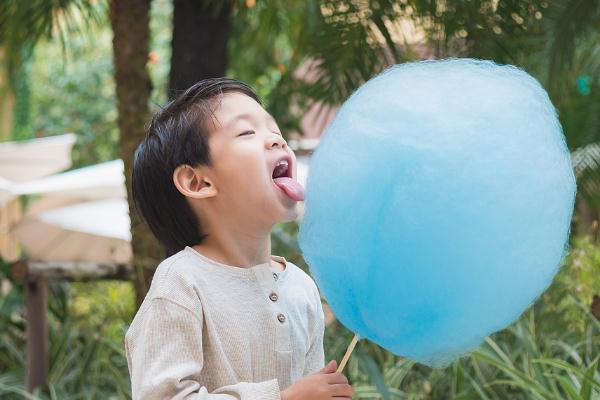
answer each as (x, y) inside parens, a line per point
(212, 331)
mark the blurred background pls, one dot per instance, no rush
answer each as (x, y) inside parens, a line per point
(79, 79)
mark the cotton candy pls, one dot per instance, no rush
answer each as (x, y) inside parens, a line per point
(438, 205)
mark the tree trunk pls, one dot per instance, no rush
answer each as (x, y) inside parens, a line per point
(130, 24)
(199, 45)
(587, 218)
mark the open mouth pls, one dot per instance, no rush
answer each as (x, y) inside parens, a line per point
(282, 169)
(282, 178)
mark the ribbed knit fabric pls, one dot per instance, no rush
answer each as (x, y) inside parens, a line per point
(212, 331)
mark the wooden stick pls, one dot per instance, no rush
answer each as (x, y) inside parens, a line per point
(348, 352)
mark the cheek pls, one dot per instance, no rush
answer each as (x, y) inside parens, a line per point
(243, 173)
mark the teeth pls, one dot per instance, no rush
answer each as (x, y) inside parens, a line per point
(282, 162)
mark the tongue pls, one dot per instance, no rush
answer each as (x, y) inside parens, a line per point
(291, 187)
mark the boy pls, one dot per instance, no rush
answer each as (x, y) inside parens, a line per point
(223, 319)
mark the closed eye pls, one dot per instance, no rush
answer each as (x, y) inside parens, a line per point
(247, 133)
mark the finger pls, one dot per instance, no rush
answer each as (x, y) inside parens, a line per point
(329, 368)
(342, 390)
(336, 377)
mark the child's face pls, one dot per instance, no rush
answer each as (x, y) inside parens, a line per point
(246, 144)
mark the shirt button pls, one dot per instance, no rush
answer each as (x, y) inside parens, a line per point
(273, 296)
(281, 318)
(275, 276)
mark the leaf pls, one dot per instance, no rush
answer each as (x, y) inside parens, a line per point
(458, 378)
(568, 387)
(519, 378)
(568, 367)
(374, 373)
(396, 374)
(586, 387)
(24, 23)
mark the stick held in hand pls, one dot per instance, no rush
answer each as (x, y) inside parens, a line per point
(348, 352)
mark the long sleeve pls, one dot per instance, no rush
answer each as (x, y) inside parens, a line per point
(315, 357)
(165, 358)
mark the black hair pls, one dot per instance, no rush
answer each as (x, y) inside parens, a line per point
(177, 135)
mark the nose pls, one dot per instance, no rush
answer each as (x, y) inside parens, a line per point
(276, 140)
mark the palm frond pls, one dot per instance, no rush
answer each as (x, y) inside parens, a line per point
(24, 23)
(568, 22)
(586, 163)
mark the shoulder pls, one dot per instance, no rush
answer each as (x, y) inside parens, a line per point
(174, 270)
(172, 297)
(175, 280)
(305, 294)
(299, 278)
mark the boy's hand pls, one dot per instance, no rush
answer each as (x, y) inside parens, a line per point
(323, 385)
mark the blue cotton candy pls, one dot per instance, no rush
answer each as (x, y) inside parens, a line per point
(438, 205)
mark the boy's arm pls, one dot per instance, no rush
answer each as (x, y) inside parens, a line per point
(165, 358)
(315, 357)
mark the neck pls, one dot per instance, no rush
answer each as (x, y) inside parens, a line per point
(236, 246)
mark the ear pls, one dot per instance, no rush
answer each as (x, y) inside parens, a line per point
(191, 182)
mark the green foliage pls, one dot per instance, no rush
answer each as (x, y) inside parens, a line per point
(12, 325)
(74, 89)
(21, 113)
(24, 23)
(87, 322)
(273, 41)
(301, 53)
(263, 54)
(159, 60)
(586, 162)
(565, 308)
(75, 92)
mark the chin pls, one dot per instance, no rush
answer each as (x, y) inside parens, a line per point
(290, 214)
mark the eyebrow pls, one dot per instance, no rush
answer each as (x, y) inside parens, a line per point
(249, 117)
